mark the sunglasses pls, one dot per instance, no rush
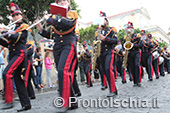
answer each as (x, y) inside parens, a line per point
(16, 14)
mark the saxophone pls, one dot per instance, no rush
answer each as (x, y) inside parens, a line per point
(97, 50)
(127, 45)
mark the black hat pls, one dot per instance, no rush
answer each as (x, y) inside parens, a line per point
(130, 25)
(84, 44)
(102, 14)
(15, 9)
(149, 35)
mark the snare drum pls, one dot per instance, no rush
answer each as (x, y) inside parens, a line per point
(155, 55)
(161, 60)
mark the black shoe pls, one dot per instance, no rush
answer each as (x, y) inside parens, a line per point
(32, 97)
(16, 99)
(150, 79)
(168, 72)
(134, 85)
(139, 84)
(157, 77)
(131, 79)
(24, 108)
(103, 87)
(89, 85)
(73, 106)
(8, 106)
(78, 94)
(163, 75)
(123, 82)
(113, 94)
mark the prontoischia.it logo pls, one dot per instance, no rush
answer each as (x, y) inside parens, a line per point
(109, 102)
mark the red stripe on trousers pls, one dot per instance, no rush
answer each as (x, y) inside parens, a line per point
(124, 74)
(158, 65)
(66, 79)
(27, 73)
(73, 69)
(151, 65)
(89, 74)
(9, 84)
(139, 66)
(104, 80)
(112, 78)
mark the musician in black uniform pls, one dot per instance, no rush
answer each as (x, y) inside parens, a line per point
(147, 56)
(101, 71)
(108, 36)
(161, 65)
(87, 65)
(15, 42)
(166, 60)
(64, 50)
(119, 61)
(29, 68)
(134, 57)
(155, 62)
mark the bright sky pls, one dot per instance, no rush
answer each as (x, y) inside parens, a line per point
(157, 9)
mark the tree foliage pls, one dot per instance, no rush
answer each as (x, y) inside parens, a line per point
(87, 34)
(31, 9)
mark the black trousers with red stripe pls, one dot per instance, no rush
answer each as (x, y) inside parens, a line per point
(64, 56)
(155, 64)
(161, 69)
(28, 75)
(107, 59)
(87, 70)
(147, 60)
(134, 58)
(13, 69)
(121, 70)
(101, 71)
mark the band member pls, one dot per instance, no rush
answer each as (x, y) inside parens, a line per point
(155, 61)
(16, 41)
(29, 68)
(161, 65)
(87, 64)
(108, 36)
(167, 60)
(147, 57)
(64, 50)
(119, 61)
(134, 56)
(97, 50)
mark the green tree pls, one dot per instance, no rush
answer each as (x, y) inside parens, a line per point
(163, 44)
(31, 9)
(87, 34)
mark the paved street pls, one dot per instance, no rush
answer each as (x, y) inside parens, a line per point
(158, 90)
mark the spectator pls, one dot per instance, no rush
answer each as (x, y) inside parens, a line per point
(38, 57)
(2, 64)
(48, 67)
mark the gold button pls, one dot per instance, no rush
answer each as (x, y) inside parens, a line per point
(61, 41)
(13, 45)
(13, 49)
(61, 36)
(53, 37)
(105, 45)
(106, 49)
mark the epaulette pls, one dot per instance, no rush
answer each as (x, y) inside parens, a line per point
(114, 29)
(31, 44)
(22, 28)
(138, 35)
(72, 14)
(125, 37)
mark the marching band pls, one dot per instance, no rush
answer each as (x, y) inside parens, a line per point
(109, 56)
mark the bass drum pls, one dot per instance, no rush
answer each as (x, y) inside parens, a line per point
(155, 55)
(161, 60)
